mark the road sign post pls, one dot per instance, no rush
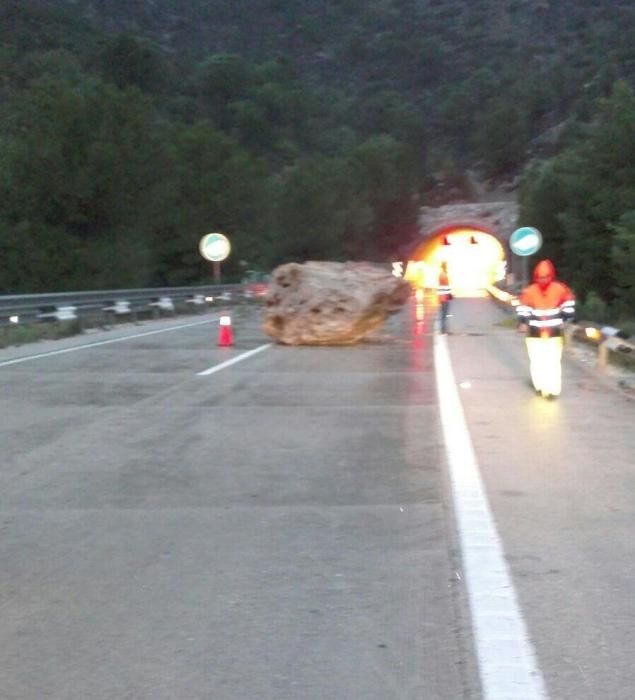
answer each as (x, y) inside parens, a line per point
(215, 247)
(525, 241)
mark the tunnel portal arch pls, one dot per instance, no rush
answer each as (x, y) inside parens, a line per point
(473, 253)
(490, 222)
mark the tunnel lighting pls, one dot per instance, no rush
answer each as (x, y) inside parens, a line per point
(397, 269)
(501, 271)
(415, 272)
(475, 259)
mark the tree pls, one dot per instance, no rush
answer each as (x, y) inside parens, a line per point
(129, 61)
(221, 79)
(82, 157)
(316, 209)
(585, 191)
(39, 259)
(542, 200)
(80, 167)
(213, 185)
(390, 172)
(623, 262)
(499, 138)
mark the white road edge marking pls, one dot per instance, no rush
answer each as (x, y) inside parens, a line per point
(39, 356)
(507, 661)
(238, 358)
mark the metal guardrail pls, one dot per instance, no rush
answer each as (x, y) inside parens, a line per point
(109, 304)
(607, 338)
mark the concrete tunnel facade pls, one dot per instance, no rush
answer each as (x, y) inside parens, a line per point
(473, 239)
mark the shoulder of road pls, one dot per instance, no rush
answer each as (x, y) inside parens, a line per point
(614, 375)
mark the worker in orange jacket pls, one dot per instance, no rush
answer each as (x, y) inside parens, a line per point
(543, 308)
(444, 295)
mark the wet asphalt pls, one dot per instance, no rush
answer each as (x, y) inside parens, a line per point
(283, 528)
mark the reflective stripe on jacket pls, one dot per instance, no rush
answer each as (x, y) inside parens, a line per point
(444, 290)
(546, 310)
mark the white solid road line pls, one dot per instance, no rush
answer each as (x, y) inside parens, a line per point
(41, 355)
(228, 363)
(506, 657)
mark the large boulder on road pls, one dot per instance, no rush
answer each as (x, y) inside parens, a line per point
(330, 303)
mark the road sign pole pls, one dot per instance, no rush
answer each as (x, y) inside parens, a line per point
(524, 242)
(214, 247)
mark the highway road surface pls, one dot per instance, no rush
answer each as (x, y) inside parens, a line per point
(402, 519)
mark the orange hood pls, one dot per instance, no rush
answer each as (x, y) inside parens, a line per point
(544, 273)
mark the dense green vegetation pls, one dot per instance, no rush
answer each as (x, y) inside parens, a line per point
(306, 130)
(585, 199)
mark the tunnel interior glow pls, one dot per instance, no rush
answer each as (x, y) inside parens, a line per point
(475, 259)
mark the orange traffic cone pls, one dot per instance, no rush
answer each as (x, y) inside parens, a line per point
(225, 331)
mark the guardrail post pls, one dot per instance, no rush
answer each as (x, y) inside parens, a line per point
(603, 354)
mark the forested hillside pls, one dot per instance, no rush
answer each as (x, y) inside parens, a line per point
(306, 130)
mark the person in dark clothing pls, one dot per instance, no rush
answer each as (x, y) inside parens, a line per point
(444, 294)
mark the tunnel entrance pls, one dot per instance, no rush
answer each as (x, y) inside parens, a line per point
(475, 260)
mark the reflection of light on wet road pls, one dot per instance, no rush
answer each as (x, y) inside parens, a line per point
(418, 326)
(420, 304)
(420, 394)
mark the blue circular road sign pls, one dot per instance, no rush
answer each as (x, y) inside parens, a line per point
(525, 241)
(214, 247)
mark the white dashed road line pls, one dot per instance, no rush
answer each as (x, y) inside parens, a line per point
(228, 363)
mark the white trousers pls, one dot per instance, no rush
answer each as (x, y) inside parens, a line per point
(545, 364)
